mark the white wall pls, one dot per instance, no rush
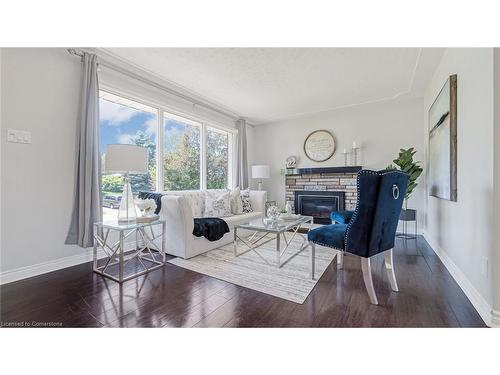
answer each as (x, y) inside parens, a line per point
(495, 264)
(40, 94)
(381, 130)
(461, 232)
(1, 157)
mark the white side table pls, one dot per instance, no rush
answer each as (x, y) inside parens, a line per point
(149, 259)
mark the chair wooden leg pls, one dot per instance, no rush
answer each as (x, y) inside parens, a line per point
(389, 267)
(367, 277)
(313, 258)
(340, 260)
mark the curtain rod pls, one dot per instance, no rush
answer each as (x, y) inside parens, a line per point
(75, 52)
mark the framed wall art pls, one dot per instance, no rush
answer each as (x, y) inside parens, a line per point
(319, 145)
(443, 142)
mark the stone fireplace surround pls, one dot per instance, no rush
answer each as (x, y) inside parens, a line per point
(342, 179)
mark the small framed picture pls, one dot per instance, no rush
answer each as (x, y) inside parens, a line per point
(269, 204)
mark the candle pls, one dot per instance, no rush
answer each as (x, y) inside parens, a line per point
(345, 151)
(354, 144)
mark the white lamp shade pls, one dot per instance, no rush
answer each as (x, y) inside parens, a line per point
(260, 171)
(126, 159)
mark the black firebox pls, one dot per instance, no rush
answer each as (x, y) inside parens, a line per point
(319, 204)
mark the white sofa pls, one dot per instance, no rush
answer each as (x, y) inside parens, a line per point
(179, 208)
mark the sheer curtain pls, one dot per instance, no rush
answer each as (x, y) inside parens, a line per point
(242, 162)
(87, 201)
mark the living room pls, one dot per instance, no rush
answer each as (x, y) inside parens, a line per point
(262, 187)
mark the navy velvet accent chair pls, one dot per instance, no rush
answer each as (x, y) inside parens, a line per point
(371, 228)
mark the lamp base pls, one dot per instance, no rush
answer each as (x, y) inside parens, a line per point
(127, 213)
(260, 185)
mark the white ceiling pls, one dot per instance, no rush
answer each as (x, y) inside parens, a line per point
(270, 84)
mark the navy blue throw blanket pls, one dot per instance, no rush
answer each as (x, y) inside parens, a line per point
(212, 228)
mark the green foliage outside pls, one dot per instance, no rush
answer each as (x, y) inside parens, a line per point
(217, 160)
(181, 165)
(405, 163)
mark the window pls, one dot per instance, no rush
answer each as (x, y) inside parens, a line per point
(217, 159)
(182, 154)
(124, 121)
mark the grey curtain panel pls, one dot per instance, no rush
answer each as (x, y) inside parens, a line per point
(87, 201)
(242, 162)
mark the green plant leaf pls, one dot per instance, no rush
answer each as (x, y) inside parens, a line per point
(406, 164)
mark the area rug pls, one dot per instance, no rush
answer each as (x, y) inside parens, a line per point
(259, 271)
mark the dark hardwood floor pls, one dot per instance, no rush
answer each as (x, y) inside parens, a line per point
(176, 297)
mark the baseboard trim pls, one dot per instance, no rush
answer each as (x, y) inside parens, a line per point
(53, 265)
(17, 274)
(44, 267)
(480, 304)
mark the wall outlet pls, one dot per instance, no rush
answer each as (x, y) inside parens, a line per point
(18, 136)
(485, 266)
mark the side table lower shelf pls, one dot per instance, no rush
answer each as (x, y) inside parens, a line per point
(148, 254)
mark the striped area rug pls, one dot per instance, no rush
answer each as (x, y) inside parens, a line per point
(291, 282)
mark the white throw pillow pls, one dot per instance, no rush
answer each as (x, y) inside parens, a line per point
(245, 200)
(217, 204)
(236, 203)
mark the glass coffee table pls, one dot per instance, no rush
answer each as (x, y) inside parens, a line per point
(278, 229)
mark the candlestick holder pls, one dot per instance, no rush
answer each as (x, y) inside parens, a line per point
(355, 154)
(345, 157)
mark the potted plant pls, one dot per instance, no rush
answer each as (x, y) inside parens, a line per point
(405, 163)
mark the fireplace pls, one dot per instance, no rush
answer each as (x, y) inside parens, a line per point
(319, 204)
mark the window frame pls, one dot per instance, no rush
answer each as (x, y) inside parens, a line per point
(204, 124)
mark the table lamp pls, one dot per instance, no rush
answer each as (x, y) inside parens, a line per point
(126, 159)
(260, 172)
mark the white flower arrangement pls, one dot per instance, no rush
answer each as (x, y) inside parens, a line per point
(147, 206)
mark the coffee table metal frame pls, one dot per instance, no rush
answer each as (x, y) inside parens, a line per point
(279, 228)
(115, 252)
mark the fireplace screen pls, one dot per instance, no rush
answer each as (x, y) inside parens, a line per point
(319, 204)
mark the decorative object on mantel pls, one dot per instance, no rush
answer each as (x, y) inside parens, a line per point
(355, 149)
(443, 142)
(291, 162)
(345, 156)
(405, 163)
(260, 172)
(319, 146)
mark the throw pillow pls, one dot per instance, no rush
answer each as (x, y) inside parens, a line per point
(217, 205)
(245, 200)
(236, 203)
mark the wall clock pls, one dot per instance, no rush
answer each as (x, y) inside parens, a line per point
(319, 145)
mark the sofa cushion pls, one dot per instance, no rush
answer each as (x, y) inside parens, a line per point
(195, 199)
(236, 202)
(341, 217)
(217, 205)
(328, 235)
(245, 199)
